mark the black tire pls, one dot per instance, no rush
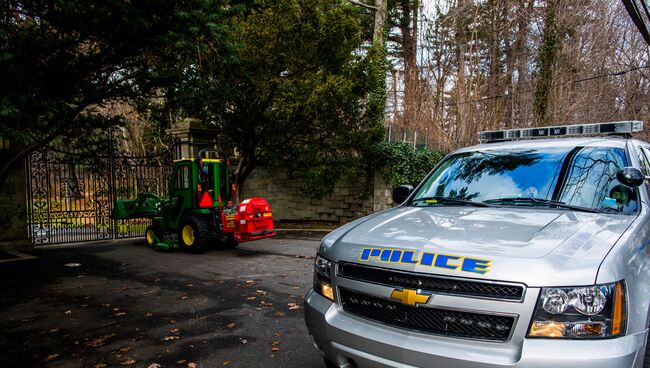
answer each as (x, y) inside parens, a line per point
(228, 241)
(329, 363)
(156, 230)
(200, 236)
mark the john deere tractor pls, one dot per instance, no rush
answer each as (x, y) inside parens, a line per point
(200, 209)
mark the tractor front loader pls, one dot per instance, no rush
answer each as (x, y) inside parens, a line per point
(200, 209)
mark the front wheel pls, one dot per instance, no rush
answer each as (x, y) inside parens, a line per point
(154, 234)
(194, 234)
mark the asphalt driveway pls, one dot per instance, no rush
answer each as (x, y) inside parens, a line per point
(122, 304)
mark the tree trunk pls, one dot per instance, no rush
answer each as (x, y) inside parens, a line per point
(409, 30)
(380, 21)
(521, 112)
(461, 92)
(546, 63)
(247, 163)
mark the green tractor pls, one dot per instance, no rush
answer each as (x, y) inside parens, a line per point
(200, 209)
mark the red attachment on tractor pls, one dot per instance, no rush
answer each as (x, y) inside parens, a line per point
(254, 220)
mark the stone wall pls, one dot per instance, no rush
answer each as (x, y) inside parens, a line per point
(350, 199)
(13, 213)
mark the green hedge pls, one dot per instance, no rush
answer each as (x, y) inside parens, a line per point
(399, 163)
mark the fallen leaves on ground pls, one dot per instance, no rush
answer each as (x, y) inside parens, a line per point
(225, 363)
(243, 341)
(231, 325)
(172, 321)
(250, 282)
(184, 297)
(174, 330)
(251, 298)
(129, 361)
(169, 338)
(100, 365)
(51, 357)
(274, 345)
(279, 314)
(122, 350)
(68, 312)
(293, 306)
(139, 337)
(98, 341)
(154, 365)
(191, 365)
(182, 361)
(120, 314)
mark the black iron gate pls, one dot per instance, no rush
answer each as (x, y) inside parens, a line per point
(70, 193)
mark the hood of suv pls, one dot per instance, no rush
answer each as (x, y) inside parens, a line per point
(535, 246)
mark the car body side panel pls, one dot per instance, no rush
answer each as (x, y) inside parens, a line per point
(534, 247)
(629, 260)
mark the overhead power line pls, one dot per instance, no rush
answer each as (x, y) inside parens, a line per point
(612, 74)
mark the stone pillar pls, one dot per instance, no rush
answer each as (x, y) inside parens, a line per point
(193, 136)
(13, 210)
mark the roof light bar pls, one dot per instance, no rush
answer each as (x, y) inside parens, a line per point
(619, 127)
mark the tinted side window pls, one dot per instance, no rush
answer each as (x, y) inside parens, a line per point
(182, 178)
(644, 158)
(591, 182)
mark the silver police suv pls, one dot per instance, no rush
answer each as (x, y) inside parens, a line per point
(530, 250)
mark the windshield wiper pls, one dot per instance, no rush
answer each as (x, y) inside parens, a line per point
(451, 200)
(548, 202)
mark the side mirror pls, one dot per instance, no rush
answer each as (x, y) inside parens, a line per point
(630, 176)
(402, 192)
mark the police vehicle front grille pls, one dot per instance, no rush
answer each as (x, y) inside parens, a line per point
(428, 320)
(431, 283)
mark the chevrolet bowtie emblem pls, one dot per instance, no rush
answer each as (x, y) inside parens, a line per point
(409, 297)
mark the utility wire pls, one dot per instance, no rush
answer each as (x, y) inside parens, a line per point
(613, 74)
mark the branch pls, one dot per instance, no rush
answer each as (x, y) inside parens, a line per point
(6, 168)
(357, 3)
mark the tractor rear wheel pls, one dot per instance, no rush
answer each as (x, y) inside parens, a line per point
(154, 231)
(194, 234)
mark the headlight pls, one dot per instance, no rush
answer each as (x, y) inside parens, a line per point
(323, 277)
(584, 312)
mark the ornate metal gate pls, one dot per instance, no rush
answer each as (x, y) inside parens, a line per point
(70, 194)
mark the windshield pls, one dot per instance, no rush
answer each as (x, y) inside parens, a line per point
(576, 176)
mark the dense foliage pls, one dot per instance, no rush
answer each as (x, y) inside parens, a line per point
(400, 164)
(298, 91)
(62, 61)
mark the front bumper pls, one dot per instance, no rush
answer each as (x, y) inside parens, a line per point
(350, 341)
